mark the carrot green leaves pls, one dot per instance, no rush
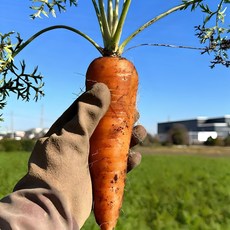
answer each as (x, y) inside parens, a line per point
(191, 3)
(46, 7)
(214, 33)
(111, 15)
(5, 49)
(15, 79)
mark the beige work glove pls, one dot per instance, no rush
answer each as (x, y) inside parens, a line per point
(56, 193)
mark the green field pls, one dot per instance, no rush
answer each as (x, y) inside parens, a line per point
(169, 190)
(12, 167)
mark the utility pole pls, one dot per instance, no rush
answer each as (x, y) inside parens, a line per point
(12, 124)
(42, 117)
(168, 118)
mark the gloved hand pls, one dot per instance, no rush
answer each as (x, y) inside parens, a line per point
(56, 193)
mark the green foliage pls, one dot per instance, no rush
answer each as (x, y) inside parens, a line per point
(150, 140)
(193, 4)
(178, 135)
(27, 145)
(227, 141)
(217, 141)
(214, 34)
(46, 7)
(15, 79)
(210, 141)
(5, 49)
(11, 145)
(212, 31)
(176, 192)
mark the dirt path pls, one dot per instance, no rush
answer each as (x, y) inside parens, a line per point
(200, 150)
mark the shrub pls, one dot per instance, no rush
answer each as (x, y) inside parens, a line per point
(219, 141)
(214, 141)
(210, 141)
(227, 141)
(150, 140)
(27, 144)
(178, 135)
(11, 145)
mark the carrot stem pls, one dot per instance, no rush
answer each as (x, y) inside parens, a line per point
(104, 21)
(98, 17)
(100, 49)
(117, 36)
(147, 24)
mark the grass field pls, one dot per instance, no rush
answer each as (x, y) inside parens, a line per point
(12, 167)
(173, 188)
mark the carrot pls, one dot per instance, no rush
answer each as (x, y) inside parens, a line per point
(109, 144)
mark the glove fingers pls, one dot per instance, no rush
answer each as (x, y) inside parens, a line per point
(138, 135)
(90, 108)
(98, 96)
(134, 159)
(63, 119)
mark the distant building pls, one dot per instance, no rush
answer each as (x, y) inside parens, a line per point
(18, 135)
(3, 133)
(199, 129)
(34, 133)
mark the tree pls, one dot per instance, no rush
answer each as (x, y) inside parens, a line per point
(14, 79)
(150, 140)
(214, 141)
(227, 141)
(178, 135)
(210, 141)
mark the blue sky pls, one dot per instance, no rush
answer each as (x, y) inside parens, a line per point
(174, 83)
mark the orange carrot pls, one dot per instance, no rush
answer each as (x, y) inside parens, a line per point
(109, 144)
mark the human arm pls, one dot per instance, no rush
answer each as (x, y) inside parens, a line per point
(56, 193)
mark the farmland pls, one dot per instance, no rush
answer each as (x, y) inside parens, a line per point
(173, 188)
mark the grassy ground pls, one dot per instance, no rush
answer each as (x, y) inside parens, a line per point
(173, 188)
(12, 167)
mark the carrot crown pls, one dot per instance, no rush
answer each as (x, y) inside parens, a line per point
(111, 16)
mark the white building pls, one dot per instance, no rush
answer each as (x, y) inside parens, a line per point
(199, 129)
